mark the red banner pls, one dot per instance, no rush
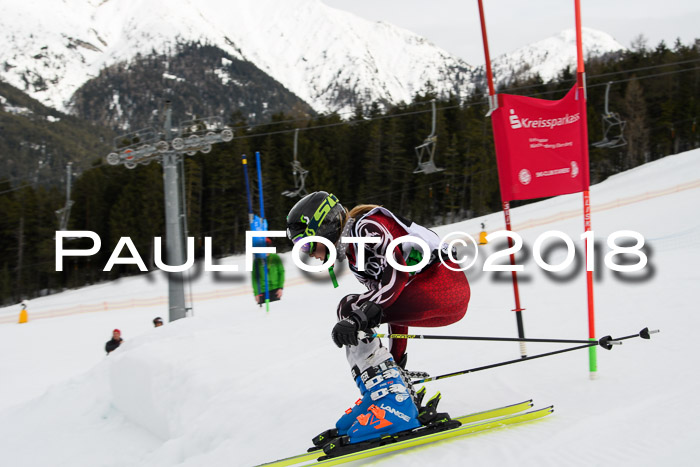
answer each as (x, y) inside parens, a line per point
(538, 146)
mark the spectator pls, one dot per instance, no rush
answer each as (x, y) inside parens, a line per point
(115, 342)
(275, 274)
(158, 322)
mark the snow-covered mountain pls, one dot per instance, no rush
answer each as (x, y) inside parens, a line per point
(329, 58)
(549, 56)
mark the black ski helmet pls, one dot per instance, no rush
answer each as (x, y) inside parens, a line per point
(319, 214)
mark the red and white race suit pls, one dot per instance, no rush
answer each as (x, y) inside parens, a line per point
(432, 297)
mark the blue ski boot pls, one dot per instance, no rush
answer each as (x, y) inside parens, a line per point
(343, 424)
(386, 406)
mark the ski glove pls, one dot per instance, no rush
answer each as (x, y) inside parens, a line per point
(365, 317)
(345, 332)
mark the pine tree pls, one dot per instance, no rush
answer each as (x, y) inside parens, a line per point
(636, 133)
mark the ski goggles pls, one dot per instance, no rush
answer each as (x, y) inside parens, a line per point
(308, 247)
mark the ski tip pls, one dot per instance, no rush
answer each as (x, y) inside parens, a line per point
(528, 402)
(549, 409)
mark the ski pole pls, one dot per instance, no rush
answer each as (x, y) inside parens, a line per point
(262, 216)
(644, 334)
(251, 216)
(606, 342)
(260, 185)
(247, 189)
(362, 335)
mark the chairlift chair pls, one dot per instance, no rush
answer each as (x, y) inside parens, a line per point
(428, 149)
(613, 126)
(299, 173)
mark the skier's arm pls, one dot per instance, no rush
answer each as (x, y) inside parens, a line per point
(365, 317)
(367, 310)
(386, 289)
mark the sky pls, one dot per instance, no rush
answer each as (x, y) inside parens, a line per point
(454, 24)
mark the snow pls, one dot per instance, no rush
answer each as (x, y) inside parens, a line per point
(173, 77)
(235, 385)
(13, 109)
(315, 51)
(330, 58)
(550, 56)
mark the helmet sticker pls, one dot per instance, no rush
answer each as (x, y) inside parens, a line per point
(320, 214)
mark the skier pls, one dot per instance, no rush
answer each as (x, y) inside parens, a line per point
(431, 297)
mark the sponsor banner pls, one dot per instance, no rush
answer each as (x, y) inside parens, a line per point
(538, 146)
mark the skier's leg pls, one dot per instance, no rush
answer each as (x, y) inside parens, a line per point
(357, 354)
(386, 406)
(397, 347)
(435, 297)
(359, 357)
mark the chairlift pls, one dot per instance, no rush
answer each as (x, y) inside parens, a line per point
(613, 126)
(427, 149)
(299, 173)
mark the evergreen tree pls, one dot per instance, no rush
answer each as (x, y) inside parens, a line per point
(637, 150)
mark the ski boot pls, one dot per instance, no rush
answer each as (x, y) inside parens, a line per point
(390, 406)
(351, 414)
(427, 414)
(408, 378)
(367, 418)
(385, 409)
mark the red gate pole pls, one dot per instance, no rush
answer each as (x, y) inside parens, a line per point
(581, 83)
(493, 104)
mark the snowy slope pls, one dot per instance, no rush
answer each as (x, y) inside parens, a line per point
(237, 386)
(327, 57)
(551, 55)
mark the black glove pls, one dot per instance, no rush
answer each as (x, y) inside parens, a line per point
(365, 317)
(345, 332)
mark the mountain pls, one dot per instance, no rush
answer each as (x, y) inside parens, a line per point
(112, 61)
(36, 142)
(549, 56)
(330, 59)
(198, 80)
